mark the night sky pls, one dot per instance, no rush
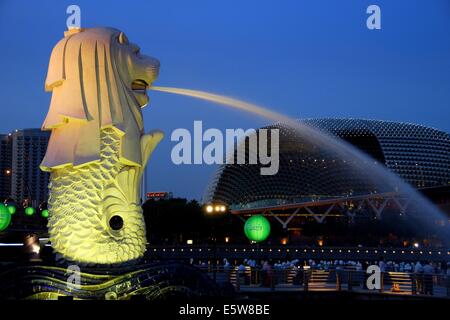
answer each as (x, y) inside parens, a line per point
(302, 58)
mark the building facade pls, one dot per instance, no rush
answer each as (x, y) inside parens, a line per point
(419, 155)
(5, 165)
(21, 153)
(28, 150)
(159, 195)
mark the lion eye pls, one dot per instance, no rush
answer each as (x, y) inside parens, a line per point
(136, 50)
(123, 38)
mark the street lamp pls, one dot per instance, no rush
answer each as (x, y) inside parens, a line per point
(215, 208)
(43, 209)
(44, 213)
(32, 247)
(29, 211)
(10, 205)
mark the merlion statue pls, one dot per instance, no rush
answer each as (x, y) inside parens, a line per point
(97, 150)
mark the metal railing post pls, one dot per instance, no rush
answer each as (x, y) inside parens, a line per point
(305, 280)
(272, 282)
(447, 285)
(350, 281)
(338, 281)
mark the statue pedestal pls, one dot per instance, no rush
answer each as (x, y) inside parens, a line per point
(152, 281)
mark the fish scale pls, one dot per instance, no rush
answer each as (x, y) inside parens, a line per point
(78, 222)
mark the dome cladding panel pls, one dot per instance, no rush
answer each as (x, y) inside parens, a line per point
(419, 154)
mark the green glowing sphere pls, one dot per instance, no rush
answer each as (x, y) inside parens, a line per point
(5, 217)
(29, 211)
(257, 228)
(44, 213)
(12, 209)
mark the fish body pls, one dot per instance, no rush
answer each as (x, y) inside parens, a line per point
(96, 215)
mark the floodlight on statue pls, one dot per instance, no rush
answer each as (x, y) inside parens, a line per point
(97, 150)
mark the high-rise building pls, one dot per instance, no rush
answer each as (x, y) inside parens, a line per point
(5, 165)
(28, 148)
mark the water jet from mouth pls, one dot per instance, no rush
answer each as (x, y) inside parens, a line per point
(386, 181)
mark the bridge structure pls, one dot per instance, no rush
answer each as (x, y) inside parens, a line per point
(374, 205)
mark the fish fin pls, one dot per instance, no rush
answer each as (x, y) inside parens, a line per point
(125, 188)
(149, 141)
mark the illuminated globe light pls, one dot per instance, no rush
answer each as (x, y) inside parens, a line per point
(257, 228)
(209, 208)
(5, 217)
(29, 211)
(12, 209)
(44, 213)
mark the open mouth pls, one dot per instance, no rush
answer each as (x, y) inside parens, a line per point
(139, 86)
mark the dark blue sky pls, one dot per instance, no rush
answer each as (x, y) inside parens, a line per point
(302, 58)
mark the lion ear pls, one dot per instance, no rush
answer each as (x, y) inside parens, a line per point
(123, 38)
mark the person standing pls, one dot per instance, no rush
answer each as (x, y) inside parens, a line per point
(428, 271)
(418, 275)
(267, 270)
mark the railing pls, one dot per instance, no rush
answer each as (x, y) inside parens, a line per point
(310, 280)
(232, 251)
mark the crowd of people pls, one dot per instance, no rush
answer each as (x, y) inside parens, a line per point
(421, 273)
(427, 267)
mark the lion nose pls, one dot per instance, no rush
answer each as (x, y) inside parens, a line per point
(151, 67)
(155, 62)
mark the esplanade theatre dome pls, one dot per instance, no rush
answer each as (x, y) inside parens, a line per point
(418, 154)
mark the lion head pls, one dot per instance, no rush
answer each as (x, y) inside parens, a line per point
(98, 79)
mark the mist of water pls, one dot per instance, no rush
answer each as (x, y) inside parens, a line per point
(380, 175)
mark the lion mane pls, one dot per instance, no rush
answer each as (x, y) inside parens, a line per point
(88, 95)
